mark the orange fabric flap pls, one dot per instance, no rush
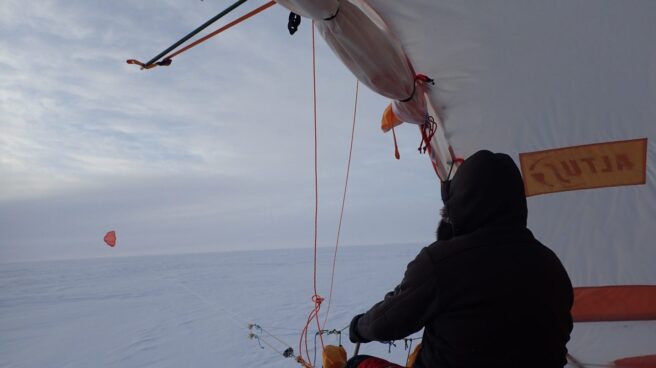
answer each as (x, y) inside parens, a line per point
(647, 361)
(389, 119)
(614, 303)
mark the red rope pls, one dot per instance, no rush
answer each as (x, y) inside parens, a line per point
(341, 213)
(313, 314)
(227, 26)
(315, 298)
(166, 60)
(397, 154)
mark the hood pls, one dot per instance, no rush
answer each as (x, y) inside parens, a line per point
(487, 190)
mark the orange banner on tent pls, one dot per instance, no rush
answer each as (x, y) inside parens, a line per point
(614, 303)
(646, 361)
(598, 165)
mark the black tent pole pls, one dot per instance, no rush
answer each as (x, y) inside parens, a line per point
(196, 31)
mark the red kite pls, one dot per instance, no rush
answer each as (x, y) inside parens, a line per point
(110, 238)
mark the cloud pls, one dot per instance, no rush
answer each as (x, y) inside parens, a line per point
(214, 151)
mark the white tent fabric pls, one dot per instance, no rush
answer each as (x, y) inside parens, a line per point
(519, 76)
(362, 40)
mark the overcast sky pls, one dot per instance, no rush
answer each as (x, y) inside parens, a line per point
(212, 153)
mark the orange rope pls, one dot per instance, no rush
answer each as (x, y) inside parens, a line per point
(397, 154)
(227, 26)
(341, 213)
(167, 59)
(315, 298)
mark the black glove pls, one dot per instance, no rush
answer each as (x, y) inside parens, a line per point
(354, 336)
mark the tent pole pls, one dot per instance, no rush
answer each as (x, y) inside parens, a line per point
(196, 31)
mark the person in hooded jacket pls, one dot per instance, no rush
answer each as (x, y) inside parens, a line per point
(487, 293)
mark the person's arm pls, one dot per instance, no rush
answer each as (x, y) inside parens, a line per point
(403, 311)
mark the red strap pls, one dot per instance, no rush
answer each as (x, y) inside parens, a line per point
(397, 154)
(374, 362)
(423, 78)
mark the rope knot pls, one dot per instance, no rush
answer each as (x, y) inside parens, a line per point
(317, 299)
(301, 361)
(428, 130)
(165, 62)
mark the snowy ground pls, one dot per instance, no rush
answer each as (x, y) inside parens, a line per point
(185, 310)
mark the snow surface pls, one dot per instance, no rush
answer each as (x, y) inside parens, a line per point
(187, 310)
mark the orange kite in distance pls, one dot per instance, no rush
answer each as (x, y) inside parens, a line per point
(110, 238)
